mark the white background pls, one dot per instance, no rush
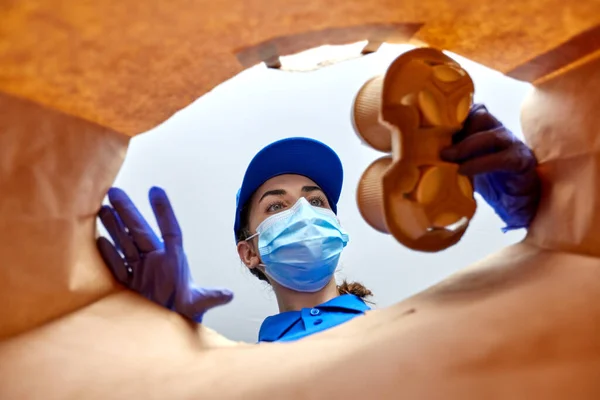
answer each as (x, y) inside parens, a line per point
(200, 154)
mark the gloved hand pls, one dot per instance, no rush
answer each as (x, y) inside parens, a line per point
(158, 270)
(503, 168)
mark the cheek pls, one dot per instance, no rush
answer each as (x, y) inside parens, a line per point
(254, 221)
(252, 225)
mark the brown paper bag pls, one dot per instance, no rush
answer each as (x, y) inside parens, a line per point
(76, 76)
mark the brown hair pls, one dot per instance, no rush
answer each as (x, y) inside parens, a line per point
(243, 233)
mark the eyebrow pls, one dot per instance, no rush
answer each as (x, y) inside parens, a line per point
(309, 189)
(281, 192)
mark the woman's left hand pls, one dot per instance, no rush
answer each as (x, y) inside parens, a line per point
(502, 167)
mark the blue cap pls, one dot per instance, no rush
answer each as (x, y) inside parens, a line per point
(298, 156)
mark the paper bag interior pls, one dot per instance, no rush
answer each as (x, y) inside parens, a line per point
(128, 65)
(77, 78)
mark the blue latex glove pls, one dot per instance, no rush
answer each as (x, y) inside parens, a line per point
(158, 270)
(503, 168)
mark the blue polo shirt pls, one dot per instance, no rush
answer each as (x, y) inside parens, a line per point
(294, 325)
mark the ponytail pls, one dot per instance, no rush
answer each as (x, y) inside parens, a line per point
(354, 288)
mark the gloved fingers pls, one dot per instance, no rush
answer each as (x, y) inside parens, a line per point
(113, 260)
(119, 235)
(479, 120)
(515, 159)
(167, 222)
(198, 301)
(139, 229)
(479, 144)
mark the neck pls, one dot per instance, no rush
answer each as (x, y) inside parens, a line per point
(290, 300)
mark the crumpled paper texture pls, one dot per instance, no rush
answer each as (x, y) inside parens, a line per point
(128, 65)
(567, 144)
(54, 171)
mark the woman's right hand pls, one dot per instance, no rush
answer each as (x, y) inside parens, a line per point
(156, 269)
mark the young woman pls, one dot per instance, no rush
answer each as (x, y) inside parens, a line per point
(288, 235)
(287, 231)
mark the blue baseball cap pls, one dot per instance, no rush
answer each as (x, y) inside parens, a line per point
(298, 156)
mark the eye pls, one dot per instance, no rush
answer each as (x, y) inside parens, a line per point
(317, 201)
(275, 207)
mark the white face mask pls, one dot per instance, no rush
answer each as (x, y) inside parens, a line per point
(301, 247)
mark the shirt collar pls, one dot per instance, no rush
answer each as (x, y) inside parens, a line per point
(348, 302)
(275, 326)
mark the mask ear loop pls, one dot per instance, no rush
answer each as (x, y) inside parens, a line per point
(251, 237)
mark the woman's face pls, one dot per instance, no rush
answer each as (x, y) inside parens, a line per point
(274, 196)
(280, 193)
